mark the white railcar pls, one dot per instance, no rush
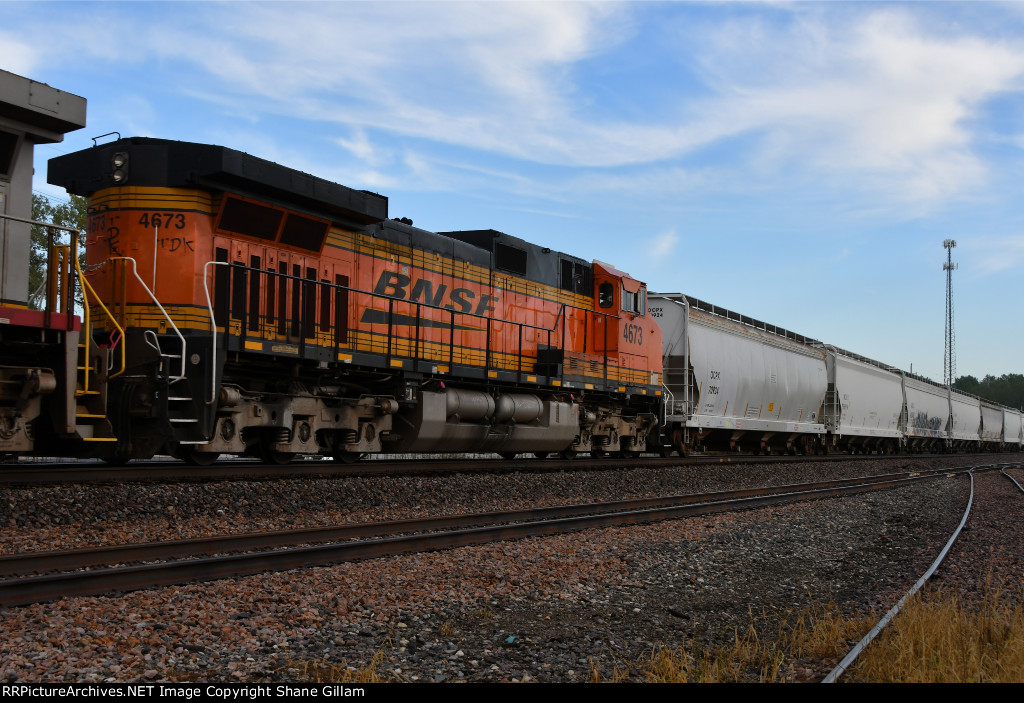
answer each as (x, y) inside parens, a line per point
(927, 406)
(736, 382)
(991, 425)
(1012, 425)
(966, 420)
(864, 403)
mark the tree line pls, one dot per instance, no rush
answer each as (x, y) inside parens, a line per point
(1007, 389)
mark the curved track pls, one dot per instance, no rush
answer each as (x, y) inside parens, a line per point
(405, 536)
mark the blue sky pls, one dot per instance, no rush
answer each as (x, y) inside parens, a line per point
(800, 163)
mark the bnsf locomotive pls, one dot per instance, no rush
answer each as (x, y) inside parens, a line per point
(235, 306)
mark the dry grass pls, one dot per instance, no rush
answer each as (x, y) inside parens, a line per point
(932, 640)
(813, 633)
(816, 633)
(326, 672)
(938, 640)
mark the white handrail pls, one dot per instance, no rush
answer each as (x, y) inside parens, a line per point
(167, 317)
(213, 326)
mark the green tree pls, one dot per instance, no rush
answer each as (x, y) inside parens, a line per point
(1007, 389)
(65, 214)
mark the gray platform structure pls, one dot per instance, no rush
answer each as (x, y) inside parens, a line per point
(30, 113)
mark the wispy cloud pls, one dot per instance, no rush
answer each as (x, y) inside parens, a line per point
(865, 98)
(664, 244)
(990, 255)
(880, 97)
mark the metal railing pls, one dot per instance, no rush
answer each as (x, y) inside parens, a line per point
(121, 282)
(260, 304)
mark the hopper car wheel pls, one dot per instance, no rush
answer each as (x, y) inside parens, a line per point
(347, 457)
(541, 455)
(508, 455)
(628, 454)
(567, 454)
(597, 453)
(199, 458)
(665, 451)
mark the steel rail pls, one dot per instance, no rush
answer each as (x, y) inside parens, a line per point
(29, 474)
(852, 655)
(1003, 472)
(41, 562)
(14, 592)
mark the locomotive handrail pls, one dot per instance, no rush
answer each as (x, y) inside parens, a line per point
(560, 318)
(360, 291)
(51, 283)
(39, 224)
(213, 328)
(86, 290)
(167, 317)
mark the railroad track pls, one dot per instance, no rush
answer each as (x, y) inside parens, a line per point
(283, 550)
(35, 474)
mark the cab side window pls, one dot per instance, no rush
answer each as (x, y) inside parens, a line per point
(605, 296)
(635, 302)
(628, 301)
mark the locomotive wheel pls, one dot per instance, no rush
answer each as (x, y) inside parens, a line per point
(199, 458)
(276, 458)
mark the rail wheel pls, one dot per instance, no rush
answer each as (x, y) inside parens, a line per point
(277, 458)
(567, 454)
(508, 455)
(541, 455)
(194, 458)
(347, 457)
(598, 453)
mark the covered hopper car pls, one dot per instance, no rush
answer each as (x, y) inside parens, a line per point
(736, 383)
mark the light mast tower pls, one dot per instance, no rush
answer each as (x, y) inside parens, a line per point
(949, 356)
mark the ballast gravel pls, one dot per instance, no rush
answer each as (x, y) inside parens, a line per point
(546, 609)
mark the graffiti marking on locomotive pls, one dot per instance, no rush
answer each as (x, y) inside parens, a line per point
(173, 244)
(106, 224)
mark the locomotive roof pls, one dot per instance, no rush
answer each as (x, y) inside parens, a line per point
(170, 164)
